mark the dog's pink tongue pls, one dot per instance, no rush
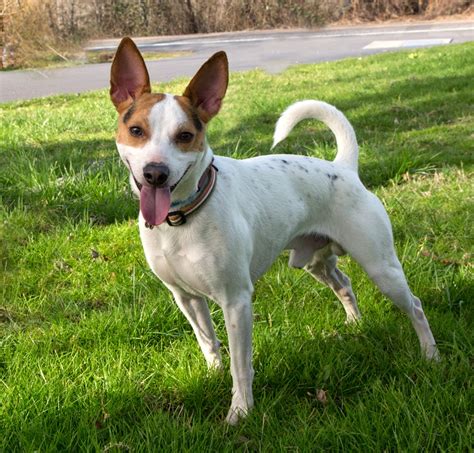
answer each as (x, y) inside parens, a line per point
(155, 204)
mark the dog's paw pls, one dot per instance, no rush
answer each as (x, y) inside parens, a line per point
(235, 415)
(352, 319)
(215, 365)
(431, 353)
(240, 407)
(213, 358)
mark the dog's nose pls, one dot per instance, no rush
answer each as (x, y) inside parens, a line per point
(156, 174)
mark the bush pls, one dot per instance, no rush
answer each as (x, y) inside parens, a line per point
(33, 28)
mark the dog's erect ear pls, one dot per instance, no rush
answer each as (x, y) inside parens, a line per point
(207, 88)
(128, 77)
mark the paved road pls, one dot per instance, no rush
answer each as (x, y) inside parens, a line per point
(269, 50)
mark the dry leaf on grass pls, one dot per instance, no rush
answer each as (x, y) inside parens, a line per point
(322, 396)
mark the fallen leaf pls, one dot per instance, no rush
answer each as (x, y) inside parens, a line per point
(61, 265)
(322, 396)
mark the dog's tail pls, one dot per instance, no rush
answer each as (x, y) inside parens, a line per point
(347, 148)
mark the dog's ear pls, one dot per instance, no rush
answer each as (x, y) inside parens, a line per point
(128, 77)
(207, 88)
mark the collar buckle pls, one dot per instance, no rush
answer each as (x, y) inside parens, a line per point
(176, 218)
(206, 185)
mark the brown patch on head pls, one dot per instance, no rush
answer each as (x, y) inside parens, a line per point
(191, 136)
(136, 116)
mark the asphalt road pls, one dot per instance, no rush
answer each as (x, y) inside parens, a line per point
(272, 51)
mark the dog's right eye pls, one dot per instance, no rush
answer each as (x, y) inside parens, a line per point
(136, 131)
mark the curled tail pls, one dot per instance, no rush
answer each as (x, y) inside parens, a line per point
(347, 148)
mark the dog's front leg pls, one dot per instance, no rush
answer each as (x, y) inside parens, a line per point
(197, 313)
(238, 320)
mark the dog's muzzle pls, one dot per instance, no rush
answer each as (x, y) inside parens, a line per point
(156, 174)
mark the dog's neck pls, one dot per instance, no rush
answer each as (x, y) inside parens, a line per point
(190, 182)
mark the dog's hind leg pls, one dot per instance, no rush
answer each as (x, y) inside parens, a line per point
(370, 243)
(323, 267)
(389, 277)
(197, 313)
(317, 255)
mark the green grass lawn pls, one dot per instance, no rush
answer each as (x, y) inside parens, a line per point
(94, 355)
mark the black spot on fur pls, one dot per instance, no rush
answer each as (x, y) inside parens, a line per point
(302, 168)
(196, 121)
(331, 177)
(128, 114)
(284, 161)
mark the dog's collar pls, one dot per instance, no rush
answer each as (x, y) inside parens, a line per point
(181, 209)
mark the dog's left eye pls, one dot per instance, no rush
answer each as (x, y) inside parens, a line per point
(136, 131)
(185, 137)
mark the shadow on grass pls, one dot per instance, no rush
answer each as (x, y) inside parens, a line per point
(68, 182)
(79, 179)
(399, 132)
(350, 367)
(125, 406)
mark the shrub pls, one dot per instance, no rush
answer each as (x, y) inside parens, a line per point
(35, 29)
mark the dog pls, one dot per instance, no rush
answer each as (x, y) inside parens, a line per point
(211, 226)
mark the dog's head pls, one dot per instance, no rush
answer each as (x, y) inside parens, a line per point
(160, 136)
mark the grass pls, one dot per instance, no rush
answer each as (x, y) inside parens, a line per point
(108, 56)
(94, 355)
(76, 56)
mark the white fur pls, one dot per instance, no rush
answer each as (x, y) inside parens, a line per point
(166, 117)
(347, 148)
(259, 207)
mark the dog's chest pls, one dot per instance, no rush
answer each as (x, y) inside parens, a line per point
(176, 264)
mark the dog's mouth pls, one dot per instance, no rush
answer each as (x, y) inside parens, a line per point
(155, 202)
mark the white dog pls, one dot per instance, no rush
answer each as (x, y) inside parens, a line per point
(211, 226)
